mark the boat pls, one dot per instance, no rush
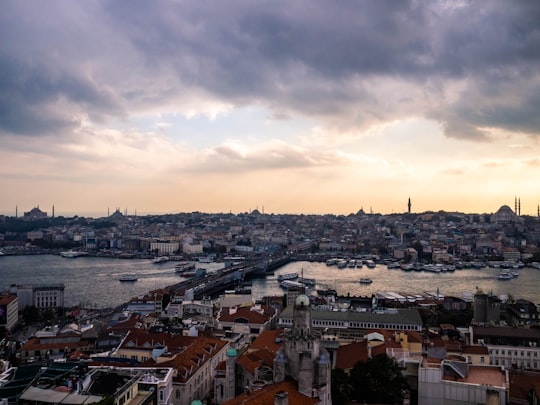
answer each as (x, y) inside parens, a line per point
(128, 278)
(288, 276)
(160, 259)
(365, 280)
(306, 281)
(291, 284)
(432, 268)
(242, 290)
(331, 262)
(185, 269)
(72, 254)
(406, 266)
(352, 263)
(342, 264)
(504, 275)
(371, 264)
(206, 259)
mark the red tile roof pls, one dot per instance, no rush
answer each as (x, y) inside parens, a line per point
(6, 299)
(521, 384)
(266, 394)
(251, 316)
(347, 356)
(267, 340)
(250, 361)
(187, 353)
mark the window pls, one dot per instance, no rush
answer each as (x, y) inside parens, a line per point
(482, 360)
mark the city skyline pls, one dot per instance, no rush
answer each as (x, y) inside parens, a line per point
(293, 107)
(37, 212)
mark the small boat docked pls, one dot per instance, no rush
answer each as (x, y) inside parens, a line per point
(365, 280)
(160, 259)
(288, 276)
(306, 281)
(185, 269)
(504, 275)
(286, 284)
(331, 262)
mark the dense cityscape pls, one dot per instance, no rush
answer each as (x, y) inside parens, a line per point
(206, 340)
(269, 203)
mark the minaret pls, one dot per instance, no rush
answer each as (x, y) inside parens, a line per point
(16, 212)
(53, 211)
(515, 205)
(409, 205)
(519, 207)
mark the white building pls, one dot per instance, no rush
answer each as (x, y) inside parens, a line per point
(164, 247)
(192, 248)
(456, 382)
(9, 311)
(41, 296)
(515, 356)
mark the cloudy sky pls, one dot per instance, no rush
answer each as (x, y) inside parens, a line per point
(286, 106)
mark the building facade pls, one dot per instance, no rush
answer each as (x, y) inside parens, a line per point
(9, 311)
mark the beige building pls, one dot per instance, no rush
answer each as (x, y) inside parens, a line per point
(194, 360)
(164, 248)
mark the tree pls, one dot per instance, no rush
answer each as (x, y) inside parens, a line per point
(341, 389)
(30, 314)
(379, 380)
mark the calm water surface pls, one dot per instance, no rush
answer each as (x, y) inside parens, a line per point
(526, 285)
(94, 281)
(91, 280)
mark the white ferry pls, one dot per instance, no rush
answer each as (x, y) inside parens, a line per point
(71, 254)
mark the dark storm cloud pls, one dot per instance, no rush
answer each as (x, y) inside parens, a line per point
(321, 59)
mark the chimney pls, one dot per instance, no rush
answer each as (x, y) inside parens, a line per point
(281, 398)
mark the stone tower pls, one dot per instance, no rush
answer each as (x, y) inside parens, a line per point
(301, 356)
(230, 373)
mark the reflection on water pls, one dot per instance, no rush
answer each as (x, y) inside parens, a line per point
(95, 280)
(91, 280)
(347, 281)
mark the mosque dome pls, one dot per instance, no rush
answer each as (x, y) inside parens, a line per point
(504, 214)
(302, 301)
